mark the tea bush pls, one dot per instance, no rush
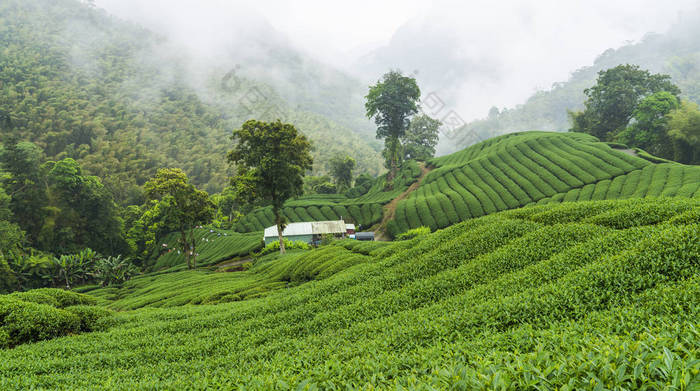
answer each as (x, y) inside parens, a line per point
(536, 167)
(45, 313)
(581, 295)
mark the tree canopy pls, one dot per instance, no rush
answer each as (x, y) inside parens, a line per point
(421, 138)
(180, 207)
(612, 101)
(684, 130)
(341, 170)
(392, 102)
(271, 159)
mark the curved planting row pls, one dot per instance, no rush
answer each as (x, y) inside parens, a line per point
(519, 169)
(364, 210)
(662, 180)
(213, 246)
(595, 295)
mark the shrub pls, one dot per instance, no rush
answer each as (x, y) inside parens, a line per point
(288, 245)
(24, 321)
(414, 233)
(89, 315)
(66, 298)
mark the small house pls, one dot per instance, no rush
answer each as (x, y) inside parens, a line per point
(350, 230)
(309, 232)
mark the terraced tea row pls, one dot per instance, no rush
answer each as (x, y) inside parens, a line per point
(365, 210)
(567, 296)
(212, 245)
(519, 169)
(660, 180)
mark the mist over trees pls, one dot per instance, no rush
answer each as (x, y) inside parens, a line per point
(634, 107)
(674, 53)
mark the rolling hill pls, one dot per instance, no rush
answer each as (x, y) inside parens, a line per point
(521, 168)
(581, 295)
(501, 173)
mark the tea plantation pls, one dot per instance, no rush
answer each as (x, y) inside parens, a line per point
(213, 246)
(522, 168)
(569, 296)
(364, 210)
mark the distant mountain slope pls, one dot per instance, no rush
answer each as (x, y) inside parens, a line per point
(522, 168)
(676, 53)
(113, 95)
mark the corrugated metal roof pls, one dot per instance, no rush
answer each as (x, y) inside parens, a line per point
(291, 229)
(309, 228)
(350, 226)
(328, 227)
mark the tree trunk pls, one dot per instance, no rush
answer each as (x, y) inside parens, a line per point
(280, 228)
(185, 247)
(194, 249)
(395, 144)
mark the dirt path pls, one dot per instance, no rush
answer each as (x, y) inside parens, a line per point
(222, 267)
(390, 208)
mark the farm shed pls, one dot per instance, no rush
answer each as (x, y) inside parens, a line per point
(365, 236)
(308, 232)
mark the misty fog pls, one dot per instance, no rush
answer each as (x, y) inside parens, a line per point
(474, 54)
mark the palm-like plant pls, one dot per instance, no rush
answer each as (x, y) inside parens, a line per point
(75, 267)
(114, 270)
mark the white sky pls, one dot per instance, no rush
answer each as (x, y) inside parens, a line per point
(530, 44)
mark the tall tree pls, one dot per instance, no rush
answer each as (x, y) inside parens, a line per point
(612, 101)
(648, 130)
(421, 138)
(181, 207)
(80, 212)
(24, 182)
(271, 159)
(341, 170)
(392, 102)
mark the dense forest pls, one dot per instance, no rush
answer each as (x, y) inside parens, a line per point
(675, 53)
(121, 101)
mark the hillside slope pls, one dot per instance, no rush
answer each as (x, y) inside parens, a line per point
(124, 102)
(521, 168)
(364, 210)
(569, 296)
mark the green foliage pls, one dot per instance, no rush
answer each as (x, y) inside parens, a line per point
(391, 102)
(350, 208)
(214, 246)
(684, 130)
(534, 167)
(421, 138)
(180, 207)
(533, 297)
(615, 98)
(649, 130)
(341, 170)
(89, 315)
(75, 268)
(82, 84)
(114, 270)
(288, 244)
(271, 159)
(414, 233)
(44, 314)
